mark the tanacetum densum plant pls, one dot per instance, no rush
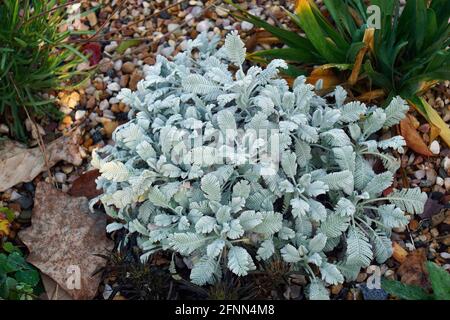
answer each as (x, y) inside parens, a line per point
(193, 172)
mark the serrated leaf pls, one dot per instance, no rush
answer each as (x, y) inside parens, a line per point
(186, 243)
(203, 271)
(271, 223)
(211, 187)
(359, 250)
(331, 274)
(205, 224)
(235, 48)
(410, 200)
(266, 250)
(239, 261)
(215, 247)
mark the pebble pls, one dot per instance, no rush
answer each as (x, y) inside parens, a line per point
(60, 177)
(246, 26)
(26, 202)
(445, 255)
(447, 184)
(435, 147)
(67, 168)
(111, 47)
(167, 51)
(29, 186)
(118, 65)
(204, 25)
(134, 79)
(172, 27)
(128, 67)
(104, 105)
(4, 129)
(113, 86)
(373, 294)
(446, 163)
(91, 103)
(124, 80)
(419, 174)
(105, 65)
(80, 114)
(439, 181)
(221, 12)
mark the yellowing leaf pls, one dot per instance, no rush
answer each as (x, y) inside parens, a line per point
(4, 226)
(369, 44)
(433, 118)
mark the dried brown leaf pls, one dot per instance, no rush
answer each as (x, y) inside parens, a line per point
(413, 138)
(64, 236)
(20, 164)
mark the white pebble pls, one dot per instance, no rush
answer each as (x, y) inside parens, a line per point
(118, 65)
(113, 100)
(90, 90)
(4, 129)
(172, 27)
(104, 105)
(435, 147)
(439, 181)
(60, 177)
(246, 26)
(80, 114)
(109, 114)
(445, 255)
(111, 47)
(419, 174)
(204, 25)
(114, 86)
(446, 163)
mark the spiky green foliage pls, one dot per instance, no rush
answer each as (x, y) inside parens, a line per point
(34, 57)
(405, 54)
(211, 201)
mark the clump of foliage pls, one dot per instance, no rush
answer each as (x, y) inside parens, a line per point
(211, 203)
(18, 279)
(404, 55)
(34, 57)
(438, 278)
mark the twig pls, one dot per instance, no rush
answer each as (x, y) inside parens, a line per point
(118, 7)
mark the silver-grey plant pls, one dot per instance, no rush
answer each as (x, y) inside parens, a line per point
(325, 196)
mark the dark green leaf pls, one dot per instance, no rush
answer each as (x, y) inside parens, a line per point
(403, 291)
(440, 281)
(30, 277)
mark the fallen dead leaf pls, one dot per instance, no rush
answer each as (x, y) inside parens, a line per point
(326, 75)
(413, 138)
(20, 164)
(64, 237)
(399, 254)
(85, 185)
(412, 271)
